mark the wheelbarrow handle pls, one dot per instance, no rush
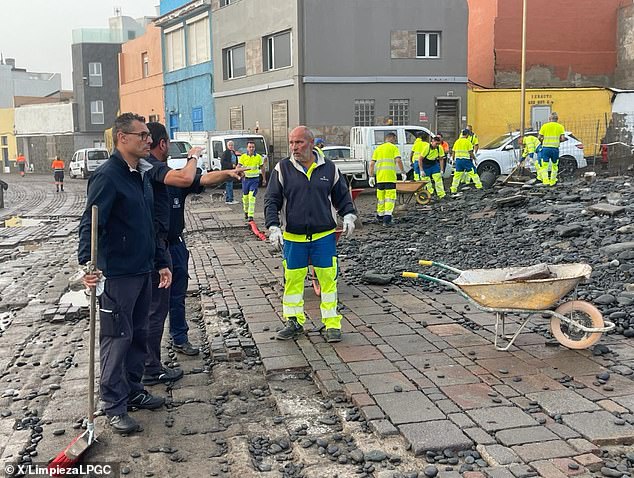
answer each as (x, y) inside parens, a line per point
(439, 264)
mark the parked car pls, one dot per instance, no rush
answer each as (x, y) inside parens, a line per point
(214, 143)
(85, 161)
(336, 153)
(177, 156)
(502, 154)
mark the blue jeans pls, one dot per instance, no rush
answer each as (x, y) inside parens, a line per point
(180, 279)
(229, 191)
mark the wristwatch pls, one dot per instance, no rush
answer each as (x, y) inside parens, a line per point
(192, 157)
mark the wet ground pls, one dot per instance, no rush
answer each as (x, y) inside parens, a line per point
(416, 388)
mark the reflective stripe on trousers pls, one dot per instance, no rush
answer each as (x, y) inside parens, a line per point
(248, 203)
(437, 181)
(293, 299)
(385, 201)
(457, 177)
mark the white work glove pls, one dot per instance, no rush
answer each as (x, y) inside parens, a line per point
(403, 177)
(372, 182)
(276, 237)
(348, 225)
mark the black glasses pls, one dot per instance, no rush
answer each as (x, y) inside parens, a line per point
(143, 134)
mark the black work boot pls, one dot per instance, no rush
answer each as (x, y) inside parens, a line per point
(291, 330)
(123, 423)
(144, 400)
(164, 375)
(333, 335)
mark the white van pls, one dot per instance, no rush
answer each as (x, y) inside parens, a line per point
(214, 143)
(85, 161)
(365, 139)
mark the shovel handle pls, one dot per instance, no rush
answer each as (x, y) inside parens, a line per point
(94, 229)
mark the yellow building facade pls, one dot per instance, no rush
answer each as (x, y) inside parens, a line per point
(8, 144)
(582, 111)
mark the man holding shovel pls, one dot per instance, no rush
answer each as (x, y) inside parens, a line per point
(122, 191)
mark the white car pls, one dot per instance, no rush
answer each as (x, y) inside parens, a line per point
(502, 154)
(85, 161)
(178, 156)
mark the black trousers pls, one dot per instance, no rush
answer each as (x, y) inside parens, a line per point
(123, 319)
(159, 307)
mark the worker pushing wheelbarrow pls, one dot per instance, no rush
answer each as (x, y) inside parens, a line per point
(575, 324)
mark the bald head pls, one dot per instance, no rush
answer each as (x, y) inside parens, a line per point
(301, 142)
(304, 131)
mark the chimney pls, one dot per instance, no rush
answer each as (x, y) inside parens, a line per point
(10, 62)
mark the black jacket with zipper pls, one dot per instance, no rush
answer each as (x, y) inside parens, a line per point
(307, 206)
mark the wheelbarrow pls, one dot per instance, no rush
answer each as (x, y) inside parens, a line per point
(406, 190)
(575, 324)
(313, 276)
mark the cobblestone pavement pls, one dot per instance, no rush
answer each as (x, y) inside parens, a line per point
(416, 376)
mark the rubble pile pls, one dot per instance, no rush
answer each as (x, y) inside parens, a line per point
(573, 222)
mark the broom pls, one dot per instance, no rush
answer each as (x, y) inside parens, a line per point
(67, 458)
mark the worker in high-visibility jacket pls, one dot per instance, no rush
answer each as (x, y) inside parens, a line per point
(432, 163)
(308, 190)
(385, 160)
(58, 173)
(531, 147)
(417, 148)
(551, 135)
(254, 165)
(464, 158)
(476, 146)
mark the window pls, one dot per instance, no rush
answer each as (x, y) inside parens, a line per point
(96, 112)
(277, 51)
(234, 64)
(198, 41)
(217, 148)
(197, 118)
(145, 64)
(427, 45)
(94, 74)
(175, 49)
(399, 112)
(5, 140)
(236, 118)
(381, 134)
(98, 143)
(224, 3)
(364, 112)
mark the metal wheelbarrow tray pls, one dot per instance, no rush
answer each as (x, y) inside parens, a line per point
(406, 190)
(576, 324)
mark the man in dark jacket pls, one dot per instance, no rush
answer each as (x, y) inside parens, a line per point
(308, 188)
(162, 176)
(122, 191)
(229, 161)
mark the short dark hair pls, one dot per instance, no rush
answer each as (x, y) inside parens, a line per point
(390, 135)
(123, 123)
(158, 132)
(250, 142)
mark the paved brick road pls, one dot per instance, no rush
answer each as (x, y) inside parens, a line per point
(416, 364)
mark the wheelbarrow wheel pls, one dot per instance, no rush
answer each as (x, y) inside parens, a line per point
(423, 197)
(585, 314)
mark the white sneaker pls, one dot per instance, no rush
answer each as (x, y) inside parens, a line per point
(231, 202)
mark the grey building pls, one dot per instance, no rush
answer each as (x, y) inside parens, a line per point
(95, 57)
(332, 65)
(20, 82)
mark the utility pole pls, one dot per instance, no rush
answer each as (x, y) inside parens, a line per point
(523, 77)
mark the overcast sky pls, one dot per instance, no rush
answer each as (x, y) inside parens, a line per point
(38, 33)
